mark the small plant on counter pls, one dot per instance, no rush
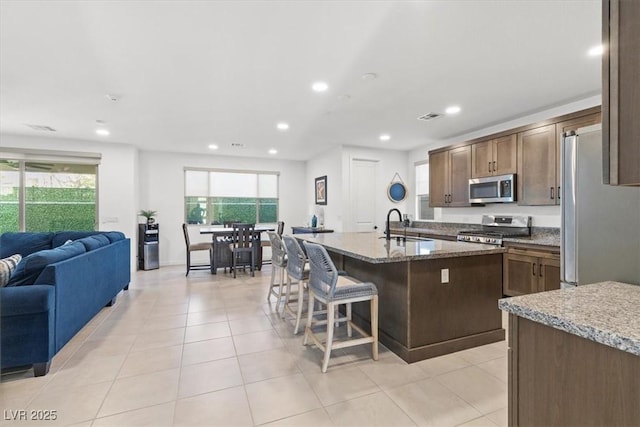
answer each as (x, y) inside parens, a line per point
(149, 214)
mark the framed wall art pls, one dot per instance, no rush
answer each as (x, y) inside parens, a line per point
(321, 190)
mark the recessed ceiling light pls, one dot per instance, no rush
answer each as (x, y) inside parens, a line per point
(213, 147)
(369, 76)
(273, 151)
(282, 126)
(102, 132)
(319, 86)
(596, 50)
(385, 137)
(454, 109)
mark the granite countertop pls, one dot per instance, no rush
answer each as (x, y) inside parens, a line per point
(606, 312)
(373, 248)
(543, 236)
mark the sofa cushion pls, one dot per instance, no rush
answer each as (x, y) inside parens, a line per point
(7, 265)
(94, 242)
(61, 237)
(114, 236)
(31, 266)
(24, 243)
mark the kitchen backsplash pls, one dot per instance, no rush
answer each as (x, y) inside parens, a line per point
(541, 216)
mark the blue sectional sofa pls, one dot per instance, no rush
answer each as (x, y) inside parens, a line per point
(63, 280)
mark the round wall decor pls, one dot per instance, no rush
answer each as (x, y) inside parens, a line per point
(397, 191)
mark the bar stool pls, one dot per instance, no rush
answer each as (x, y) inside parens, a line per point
(278, 265)
(324, 287)
(296, 261)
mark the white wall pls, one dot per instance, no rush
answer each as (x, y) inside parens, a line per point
(336, 164)
(117, 179)
(327, 164)
(542, 216)
(162, 190)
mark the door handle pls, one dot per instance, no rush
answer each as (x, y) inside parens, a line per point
(558, 193)
(533, 269)
(489, 167)
(494, 165)
(540, 271)
(551, 193)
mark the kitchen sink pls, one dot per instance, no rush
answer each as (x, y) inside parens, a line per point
(407, 238)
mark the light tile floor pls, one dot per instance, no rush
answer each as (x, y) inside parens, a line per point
(209, 350)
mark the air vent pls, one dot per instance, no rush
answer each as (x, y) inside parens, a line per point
(237, 145)
(41, 128)
(429, 116)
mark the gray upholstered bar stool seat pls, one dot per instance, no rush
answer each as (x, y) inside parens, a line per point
(331, 289)
(296, 274)
(278, 266)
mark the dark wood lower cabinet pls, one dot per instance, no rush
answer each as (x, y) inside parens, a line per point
(560, 379)
(528, 271)
(420, 317)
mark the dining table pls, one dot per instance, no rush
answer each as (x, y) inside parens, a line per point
(221, 239)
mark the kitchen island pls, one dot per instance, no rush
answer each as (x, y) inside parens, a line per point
(574, 356)
(435, 296)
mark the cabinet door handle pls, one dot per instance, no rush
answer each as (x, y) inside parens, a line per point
(489, 167)
(494, 165)
(551, 196)
(533, 269)
(540, 271)
(558, 193)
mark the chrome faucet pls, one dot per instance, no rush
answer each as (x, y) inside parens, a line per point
(387, 232)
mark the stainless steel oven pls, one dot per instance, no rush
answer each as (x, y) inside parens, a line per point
(494, 228)
(493, 189)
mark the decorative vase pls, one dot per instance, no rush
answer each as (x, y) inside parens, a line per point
(314, 221)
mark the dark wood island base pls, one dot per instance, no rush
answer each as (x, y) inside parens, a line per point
(419, 316)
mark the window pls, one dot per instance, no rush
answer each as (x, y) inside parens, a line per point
(47, 195)
(423, 211)
(221, 197)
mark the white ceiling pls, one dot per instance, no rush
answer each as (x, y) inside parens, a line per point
(193, 73)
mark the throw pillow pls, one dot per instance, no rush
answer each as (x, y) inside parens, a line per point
(7, 265)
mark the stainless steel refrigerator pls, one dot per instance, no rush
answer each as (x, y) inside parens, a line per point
(600, 223)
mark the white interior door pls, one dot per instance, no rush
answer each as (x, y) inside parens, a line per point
(363, 194)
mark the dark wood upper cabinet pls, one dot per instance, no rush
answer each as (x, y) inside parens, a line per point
(460, 164)
(621, 91)
(531, 151)
(537, 164)
(438, 179)
(449, 173)
(494, 157)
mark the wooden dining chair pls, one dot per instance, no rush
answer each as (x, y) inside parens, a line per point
(193, 247)
(243, 242)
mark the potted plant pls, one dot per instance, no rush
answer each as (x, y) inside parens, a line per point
(149, 215)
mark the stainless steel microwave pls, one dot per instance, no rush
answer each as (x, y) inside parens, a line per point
(493, 189)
